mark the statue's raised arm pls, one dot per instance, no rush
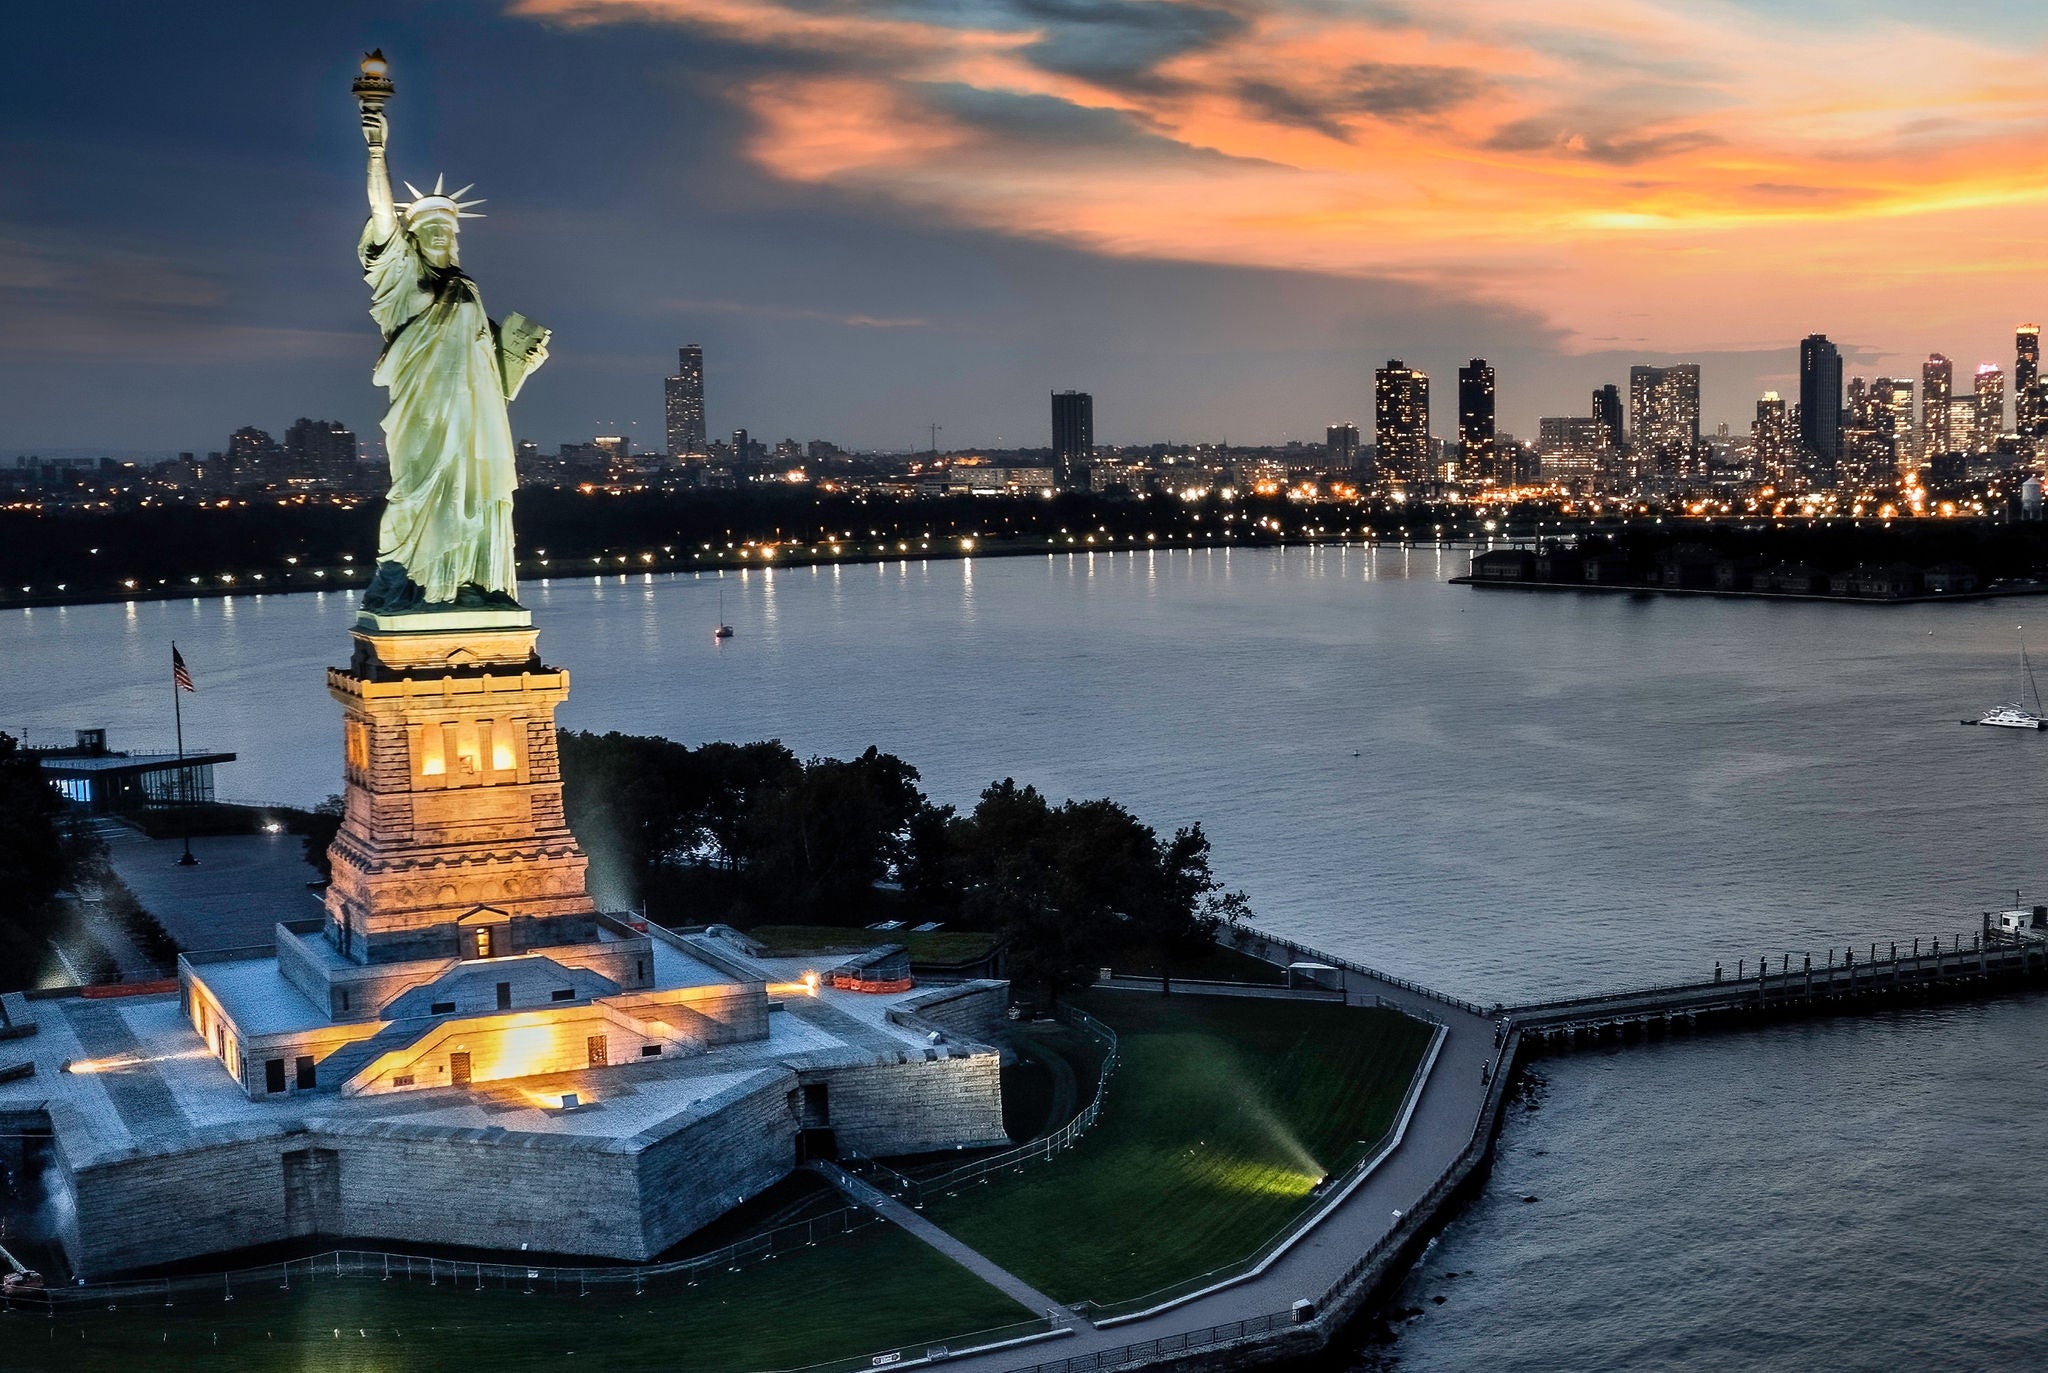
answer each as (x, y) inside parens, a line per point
(446, 538)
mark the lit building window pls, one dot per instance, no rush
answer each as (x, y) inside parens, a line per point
(502, 759)
(483, 942)
(433, 758)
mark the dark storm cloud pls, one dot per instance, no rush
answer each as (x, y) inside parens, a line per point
(1381, 90)
(1121, 40)
(1545, 133)
(1023, 123)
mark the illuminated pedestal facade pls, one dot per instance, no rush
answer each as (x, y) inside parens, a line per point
(461, 945)
(464, 1050)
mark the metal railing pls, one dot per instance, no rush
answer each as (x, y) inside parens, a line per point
(1147, 1351)
(932, 1351)
(1751, 976)
(914, 1190)
(1328, 1195)
(1382, 1250)
(1243, 934)
(459, 1274)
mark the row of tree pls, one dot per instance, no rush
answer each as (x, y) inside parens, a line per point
(751, 834)
(40, 854)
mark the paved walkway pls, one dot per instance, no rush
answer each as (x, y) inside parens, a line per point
(1438, 1132)
(973, 1260)
(242, 885)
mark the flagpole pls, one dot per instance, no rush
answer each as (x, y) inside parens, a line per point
(184, 778)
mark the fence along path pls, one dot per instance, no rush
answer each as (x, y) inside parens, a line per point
(371, 1263)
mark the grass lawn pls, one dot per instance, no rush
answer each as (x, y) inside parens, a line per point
(933, 946)
(1214, 964)
(874, 1290)
(1222, 1116)
(1053, 1078)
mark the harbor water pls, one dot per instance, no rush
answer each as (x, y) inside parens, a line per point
(1509, 796)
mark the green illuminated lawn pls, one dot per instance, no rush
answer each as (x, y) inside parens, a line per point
(875, 1290)
(1224, 1113)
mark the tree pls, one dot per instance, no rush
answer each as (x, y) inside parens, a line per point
(817, 845)
(1070, 885)
(1187, 906)
(35, 863)
(643, 807)
(319, 827)
(1008, 857)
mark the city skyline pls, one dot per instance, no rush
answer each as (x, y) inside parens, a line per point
(843, 305)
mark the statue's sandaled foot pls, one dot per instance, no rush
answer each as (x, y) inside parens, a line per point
(391, 592)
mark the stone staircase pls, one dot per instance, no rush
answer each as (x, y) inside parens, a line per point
(340, 1068)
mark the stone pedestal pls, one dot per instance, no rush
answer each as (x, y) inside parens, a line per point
(454, 842)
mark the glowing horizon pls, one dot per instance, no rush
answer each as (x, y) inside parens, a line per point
(1637, 175)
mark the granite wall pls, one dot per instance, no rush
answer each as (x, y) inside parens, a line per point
(952, 1099)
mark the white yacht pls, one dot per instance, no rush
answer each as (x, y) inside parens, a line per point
(2016, 715)
(2010, 717)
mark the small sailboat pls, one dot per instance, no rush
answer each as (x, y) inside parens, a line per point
(2016, 715)
(724, 630)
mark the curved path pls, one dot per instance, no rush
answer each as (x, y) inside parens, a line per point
(1445, 1117)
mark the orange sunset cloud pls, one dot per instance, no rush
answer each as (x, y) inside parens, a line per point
(1696, 177)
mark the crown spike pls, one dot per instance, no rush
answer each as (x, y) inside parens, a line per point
(439, 177)
(466, 214)
(457, 195)
(410, 187)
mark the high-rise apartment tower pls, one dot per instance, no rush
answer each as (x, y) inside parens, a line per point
(1401, 423)
(1478, 455)
(684, 397)
(1820, 401)
(1340, 445)
(2027, 395)
(1664, 419)
(1073, 438)
(1937, 381)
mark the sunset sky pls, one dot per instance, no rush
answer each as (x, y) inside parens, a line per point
(1218, 216)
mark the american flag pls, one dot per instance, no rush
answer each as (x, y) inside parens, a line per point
(181, 678)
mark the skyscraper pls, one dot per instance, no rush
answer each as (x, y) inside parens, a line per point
(1340, 443)
(1937, 379)
(684, 395)
(1664, 419)
(1990, 397)
(1570, 449)
(1612, 419)
(1073, 438)
(1773, 450)
(1820, 403)
(321, 450)
(1960, 434)
(1401, 422)
(2026, 380)
(1476, 450)
(1891, 418)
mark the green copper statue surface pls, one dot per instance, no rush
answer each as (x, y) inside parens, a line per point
(446, 536)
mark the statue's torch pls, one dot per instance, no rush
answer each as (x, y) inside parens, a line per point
(373, 87)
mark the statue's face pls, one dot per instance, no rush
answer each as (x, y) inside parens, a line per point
(437, 240)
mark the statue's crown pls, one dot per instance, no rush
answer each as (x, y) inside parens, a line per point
(449, 205)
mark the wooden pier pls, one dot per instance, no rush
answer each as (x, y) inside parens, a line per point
(1869, 978)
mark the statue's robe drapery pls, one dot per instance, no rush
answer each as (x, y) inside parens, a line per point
(448, 520)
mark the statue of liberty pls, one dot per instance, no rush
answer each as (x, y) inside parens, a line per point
(446, 537)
